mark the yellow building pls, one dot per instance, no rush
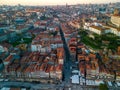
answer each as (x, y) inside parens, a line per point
(115, 19)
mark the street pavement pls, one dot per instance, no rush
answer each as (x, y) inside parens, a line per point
(67, 61)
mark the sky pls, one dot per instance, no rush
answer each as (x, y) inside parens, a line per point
(52, 2)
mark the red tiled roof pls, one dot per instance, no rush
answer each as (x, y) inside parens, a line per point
(8, 58)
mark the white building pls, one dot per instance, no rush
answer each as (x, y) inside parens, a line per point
(99, 29)
(113, 30)
(39, 48)
(96, 29)
(35, 47)
(1, 49)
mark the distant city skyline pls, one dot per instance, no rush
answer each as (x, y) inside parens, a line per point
(53, 2)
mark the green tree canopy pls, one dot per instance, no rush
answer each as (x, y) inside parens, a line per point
(103, 87)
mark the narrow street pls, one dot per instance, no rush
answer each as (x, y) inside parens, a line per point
(67, 61)
(32, 86)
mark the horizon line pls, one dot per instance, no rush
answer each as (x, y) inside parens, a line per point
(59, 4)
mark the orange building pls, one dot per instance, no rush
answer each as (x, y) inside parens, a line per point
(118, 50)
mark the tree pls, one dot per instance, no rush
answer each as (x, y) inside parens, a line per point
(1, 61)
(33, 36)
(54, 33)
(103, 87)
